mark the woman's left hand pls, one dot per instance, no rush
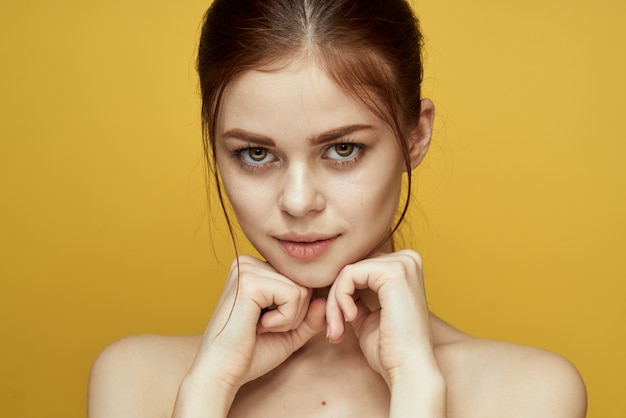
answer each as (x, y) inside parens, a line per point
(396, 339)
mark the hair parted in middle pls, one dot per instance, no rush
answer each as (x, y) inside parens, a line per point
(370, 49)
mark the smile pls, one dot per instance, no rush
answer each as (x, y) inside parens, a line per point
(306, 249)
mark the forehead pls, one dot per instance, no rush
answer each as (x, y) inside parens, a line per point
(298, 99)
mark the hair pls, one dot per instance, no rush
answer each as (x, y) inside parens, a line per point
(371, 49)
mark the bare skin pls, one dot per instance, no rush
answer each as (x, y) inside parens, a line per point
(140, 376)
(314, 179)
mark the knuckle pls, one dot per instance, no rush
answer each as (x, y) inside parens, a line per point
(233, 266)
(345, 271)
(294, 293)
(245, 260)
(397, 266)
(248, 282)
(413, 257)
(304, 293)
(347, 268)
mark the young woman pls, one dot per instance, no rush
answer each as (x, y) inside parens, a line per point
(312, 115)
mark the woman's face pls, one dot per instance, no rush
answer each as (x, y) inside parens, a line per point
(312, 175)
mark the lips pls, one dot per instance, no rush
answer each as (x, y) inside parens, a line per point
(304, 247)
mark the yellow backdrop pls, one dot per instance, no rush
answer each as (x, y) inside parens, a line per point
(104, 227)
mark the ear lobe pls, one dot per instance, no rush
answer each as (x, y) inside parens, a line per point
(419, 139)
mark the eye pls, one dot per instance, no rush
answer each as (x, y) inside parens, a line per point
(343, 151)
(255, 155)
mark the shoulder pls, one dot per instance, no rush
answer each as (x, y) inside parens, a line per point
(494, 378)
(139, 376)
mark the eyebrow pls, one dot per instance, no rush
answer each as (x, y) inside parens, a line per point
(320, 139)
(248, 136)
(335, 134)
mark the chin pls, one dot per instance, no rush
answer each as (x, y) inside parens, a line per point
(310, 275)
(317, 281)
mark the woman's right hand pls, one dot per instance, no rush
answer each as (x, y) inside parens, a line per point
(239, 344)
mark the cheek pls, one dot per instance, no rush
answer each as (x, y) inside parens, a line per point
(241, 197)
(240, 192)
(372, 200)
(385, 199)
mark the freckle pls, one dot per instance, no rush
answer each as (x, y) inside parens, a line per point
(323, 403)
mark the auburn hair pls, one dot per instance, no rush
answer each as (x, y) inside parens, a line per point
(370, 48)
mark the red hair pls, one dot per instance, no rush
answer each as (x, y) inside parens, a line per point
(371, 49)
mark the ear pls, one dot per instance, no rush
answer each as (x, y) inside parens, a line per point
(419, 138)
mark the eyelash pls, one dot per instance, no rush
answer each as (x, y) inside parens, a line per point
(337, 163)
(238, 156)
(359, 149)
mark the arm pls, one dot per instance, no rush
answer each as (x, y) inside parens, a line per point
(421, 393)
(544, 385)
(134, 377)
(198, 396)
(397, 338)
(146, 376)
(239, 345)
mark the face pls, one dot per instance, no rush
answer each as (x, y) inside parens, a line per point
(312, 175)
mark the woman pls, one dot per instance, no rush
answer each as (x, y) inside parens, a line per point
(312, 115)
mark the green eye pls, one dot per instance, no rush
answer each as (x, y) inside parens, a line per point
(344, 150)
(257, 154)
(254, 158)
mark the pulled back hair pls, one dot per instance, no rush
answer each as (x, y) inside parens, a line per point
(370, 48)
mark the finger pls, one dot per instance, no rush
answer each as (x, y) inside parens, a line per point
(362, 275)
(346, 302)
(291, 307)
(252, 289)
(273, 348)
(313, 323)
(334, 318)
(349, 280)
(258, 282)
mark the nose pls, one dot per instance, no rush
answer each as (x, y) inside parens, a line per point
(301, 193)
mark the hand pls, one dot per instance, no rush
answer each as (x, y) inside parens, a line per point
(396, 339)
(239, 344)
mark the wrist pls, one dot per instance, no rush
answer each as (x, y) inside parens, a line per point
(418, 392)
(202, 394)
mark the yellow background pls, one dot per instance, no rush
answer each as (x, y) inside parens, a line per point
(104, 227)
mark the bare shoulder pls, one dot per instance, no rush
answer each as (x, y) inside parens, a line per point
(139, 376)
(488, 378)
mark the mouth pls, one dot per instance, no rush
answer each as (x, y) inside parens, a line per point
(305, 247)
